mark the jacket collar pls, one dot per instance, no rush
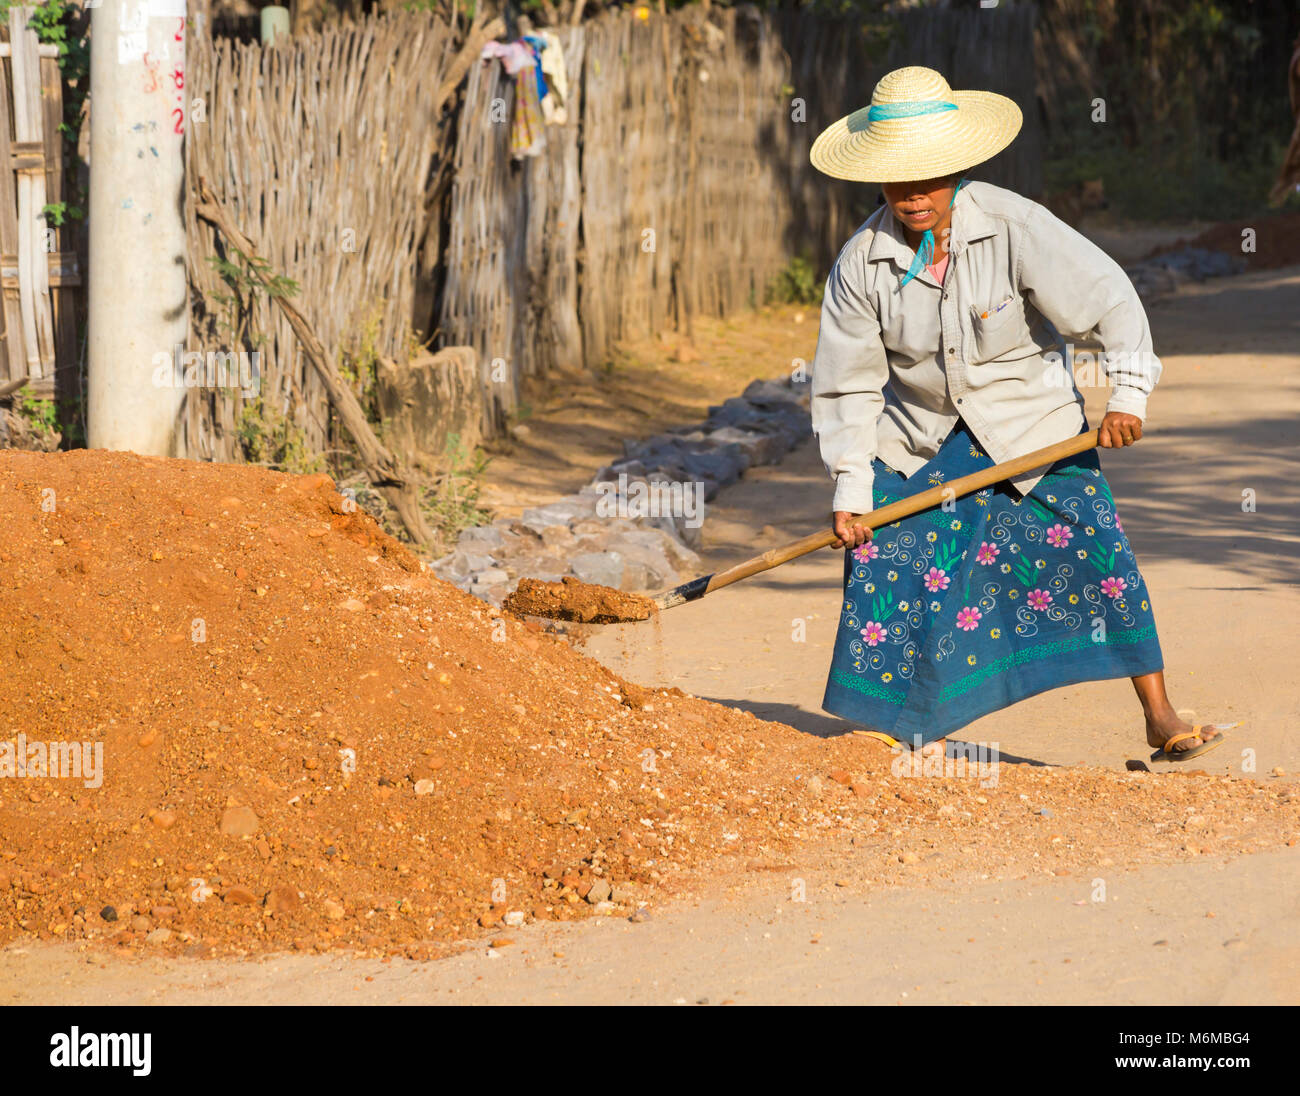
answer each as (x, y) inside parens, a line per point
(969, 223)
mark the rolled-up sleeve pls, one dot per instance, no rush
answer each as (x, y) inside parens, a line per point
(1085, 293)
(850, 370)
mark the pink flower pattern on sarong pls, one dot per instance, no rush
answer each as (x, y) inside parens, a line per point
(1038, 599)
(950, 610)
(1113, 587)
(873, 633)
(1058, 536)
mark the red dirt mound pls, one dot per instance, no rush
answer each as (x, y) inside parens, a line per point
(1277, 241)
(308, 742)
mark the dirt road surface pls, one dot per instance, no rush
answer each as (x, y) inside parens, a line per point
(1208, 934)
(1216, 929)
(1223, 421)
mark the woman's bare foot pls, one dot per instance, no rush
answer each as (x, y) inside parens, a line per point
(1162, 721)
(1161, 727)
(937, 748)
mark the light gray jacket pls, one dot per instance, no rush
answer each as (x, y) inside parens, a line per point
(896, 367)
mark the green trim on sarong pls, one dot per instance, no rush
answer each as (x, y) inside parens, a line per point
(1043, 650)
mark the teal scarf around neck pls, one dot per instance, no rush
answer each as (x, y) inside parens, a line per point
(925, 253)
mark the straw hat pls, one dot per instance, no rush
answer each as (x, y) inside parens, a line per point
(916, 128)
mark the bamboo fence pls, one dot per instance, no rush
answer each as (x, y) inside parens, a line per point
(39, 267)
(321, 148)
(678, 186)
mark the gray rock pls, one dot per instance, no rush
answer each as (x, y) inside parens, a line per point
(758, 447)
(602, 527)
(681, 530)
(634, 526)
(563, 512)
(538, 565)
(768, 393)
(1159, 276)
(647, 568)
(637, 577)
(493, 595)
(724, 466)
(558, 538)
(649, 447)
(610, 473)
(792, 423)
(516, 531)
(598, 568)
(483, 538)
(453, 567)
(676, 555)
(623, 497)
(690, 532)
(473, 561)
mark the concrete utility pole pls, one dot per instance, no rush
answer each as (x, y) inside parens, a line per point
(137, 292)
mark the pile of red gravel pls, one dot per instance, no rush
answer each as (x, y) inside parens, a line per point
(308, 742)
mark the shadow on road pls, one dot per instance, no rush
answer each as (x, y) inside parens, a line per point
(1170, 514)
(823, 725)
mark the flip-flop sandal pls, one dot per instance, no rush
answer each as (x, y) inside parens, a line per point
(1163, 754)
(880, 736)
(893, 743)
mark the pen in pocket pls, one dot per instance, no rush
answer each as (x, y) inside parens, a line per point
(995, 311)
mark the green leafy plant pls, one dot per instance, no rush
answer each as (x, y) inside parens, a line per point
(270, 438)
(52, 24)
(245, 277)
(58, 213)
(40, 414)
(797, 283)
(453, 503)
(360, 366)
(1210, 136)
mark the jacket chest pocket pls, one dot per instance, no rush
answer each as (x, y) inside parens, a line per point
(999, 329)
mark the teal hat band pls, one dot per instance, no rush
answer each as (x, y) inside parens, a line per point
(885, 111)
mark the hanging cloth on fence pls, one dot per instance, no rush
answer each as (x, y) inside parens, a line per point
(515, 56)
(537, 44)
(556, 99)
(526, 126)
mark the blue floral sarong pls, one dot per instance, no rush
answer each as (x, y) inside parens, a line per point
(954, 613)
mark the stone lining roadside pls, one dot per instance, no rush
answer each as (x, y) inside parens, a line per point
(1161, 275)
(637, 524)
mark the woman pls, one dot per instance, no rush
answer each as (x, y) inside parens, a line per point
(936, 357)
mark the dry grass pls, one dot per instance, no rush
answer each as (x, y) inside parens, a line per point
(576, 423)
